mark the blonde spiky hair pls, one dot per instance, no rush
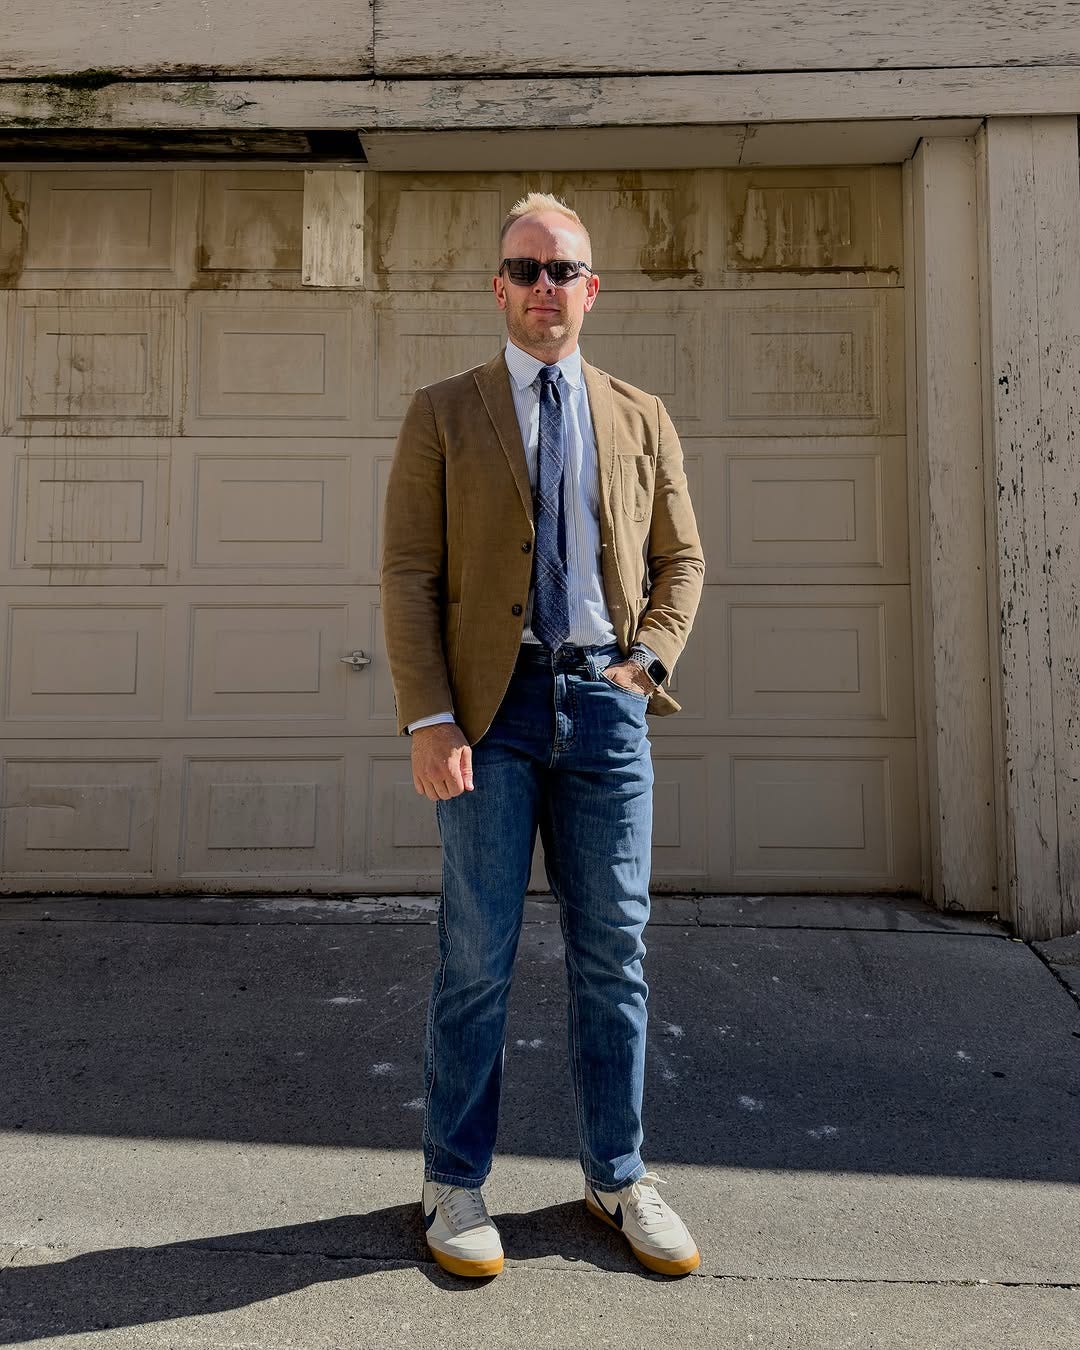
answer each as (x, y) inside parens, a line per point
(532, 205)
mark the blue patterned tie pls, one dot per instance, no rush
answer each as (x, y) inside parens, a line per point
(551, 604)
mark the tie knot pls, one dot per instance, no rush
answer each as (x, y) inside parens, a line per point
(549, 374)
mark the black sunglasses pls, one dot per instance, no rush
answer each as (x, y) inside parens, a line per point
(526, 271)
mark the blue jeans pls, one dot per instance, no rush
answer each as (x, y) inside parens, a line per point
(567, 752)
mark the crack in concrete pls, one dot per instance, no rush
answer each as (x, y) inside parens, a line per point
(405, 1263)
(409, 918)
(1072, 993)
(885, 1279)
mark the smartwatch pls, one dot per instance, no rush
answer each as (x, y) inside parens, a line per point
(651, 665)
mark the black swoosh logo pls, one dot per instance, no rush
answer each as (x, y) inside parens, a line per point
(615, 1218)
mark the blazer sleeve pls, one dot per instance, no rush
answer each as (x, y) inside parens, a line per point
(676, 561)
(414, 567)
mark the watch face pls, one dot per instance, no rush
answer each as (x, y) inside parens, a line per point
(651, 665)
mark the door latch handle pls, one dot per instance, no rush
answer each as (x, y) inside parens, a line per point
(356, 659)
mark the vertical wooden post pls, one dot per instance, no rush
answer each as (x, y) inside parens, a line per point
(1030, 207)
(948, 453)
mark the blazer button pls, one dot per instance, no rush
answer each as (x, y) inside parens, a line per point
(526, 547)
(516, 609)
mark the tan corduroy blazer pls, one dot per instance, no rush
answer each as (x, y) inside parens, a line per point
(458, 537)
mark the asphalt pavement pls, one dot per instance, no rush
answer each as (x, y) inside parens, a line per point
(867, 1112)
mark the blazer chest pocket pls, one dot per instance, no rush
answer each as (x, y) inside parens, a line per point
(638, 473)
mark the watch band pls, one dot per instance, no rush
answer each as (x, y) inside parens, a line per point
(650, 664)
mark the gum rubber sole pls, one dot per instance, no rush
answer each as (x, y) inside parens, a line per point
(473, 1270)
(654, 1263)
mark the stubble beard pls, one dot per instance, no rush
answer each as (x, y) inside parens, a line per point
(549, 339)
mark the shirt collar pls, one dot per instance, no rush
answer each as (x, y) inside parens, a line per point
(524, 368)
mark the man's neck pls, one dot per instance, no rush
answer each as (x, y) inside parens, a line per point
(549, 357)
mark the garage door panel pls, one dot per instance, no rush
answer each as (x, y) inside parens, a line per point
(107, 228)
(403, 838)
(827, 661)
(268, 663)
(80, 664)
(83, 517)
(276, 365)
(646, 227)
(796, 660)
(659, 343)
(824, 363)
(91, 363)
(681, 816)
(278, 511)
(251, 228)
(255, 660)
(433, 231)
(806, 814)
(656, 341)
(784, 223)
(94, 817)
(276, 508)
(15, 192)
(277, 816)
(286, 512)
(813, 510)
(217, 662)
(420, 339)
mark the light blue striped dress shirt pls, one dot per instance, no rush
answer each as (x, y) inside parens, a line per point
(590, 622)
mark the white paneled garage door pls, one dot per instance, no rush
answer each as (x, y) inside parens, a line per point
(194, 449)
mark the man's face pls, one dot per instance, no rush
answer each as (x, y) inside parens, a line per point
(544, 319)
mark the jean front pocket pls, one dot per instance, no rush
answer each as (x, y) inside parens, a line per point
(623, 689)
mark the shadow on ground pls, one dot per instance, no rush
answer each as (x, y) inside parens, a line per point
(908, 1053)
(140, 1286)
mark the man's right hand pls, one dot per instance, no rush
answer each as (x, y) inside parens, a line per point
(441, 762)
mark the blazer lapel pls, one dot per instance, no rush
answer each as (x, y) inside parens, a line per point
(602, 409)
(493, 381)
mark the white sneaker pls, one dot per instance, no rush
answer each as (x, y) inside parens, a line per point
(460, 1233)
(656, 1234)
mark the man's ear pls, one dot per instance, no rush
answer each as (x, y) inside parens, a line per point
(592, 286)
(499, 287)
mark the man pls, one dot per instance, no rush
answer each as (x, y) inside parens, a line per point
(541, 571)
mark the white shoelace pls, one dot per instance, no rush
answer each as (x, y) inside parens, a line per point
(464, 1208)
(650, 1212)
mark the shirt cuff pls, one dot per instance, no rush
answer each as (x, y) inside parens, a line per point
(431, 721)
